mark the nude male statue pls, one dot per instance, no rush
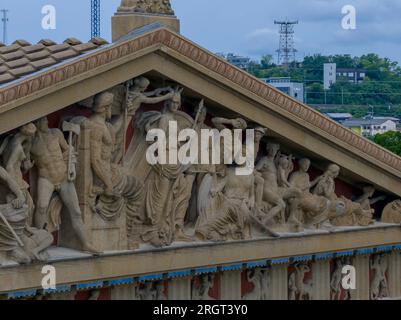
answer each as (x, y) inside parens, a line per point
(273, 173)
(49, 153)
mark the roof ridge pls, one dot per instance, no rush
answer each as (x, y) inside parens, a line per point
(158, 33)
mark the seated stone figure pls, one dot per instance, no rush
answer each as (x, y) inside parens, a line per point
(114, 192)
(232, 221)
(326, 187)
(18, 241)
(310, 209)
(367, 201)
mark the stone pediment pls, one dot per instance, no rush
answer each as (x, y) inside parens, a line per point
(129, 207)
(157, 49)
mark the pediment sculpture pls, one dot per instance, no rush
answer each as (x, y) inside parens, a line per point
(146, 6)
(90, 178)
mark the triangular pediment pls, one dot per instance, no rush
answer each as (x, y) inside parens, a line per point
(159, 53)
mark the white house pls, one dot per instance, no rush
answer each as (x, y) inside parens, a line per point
(370, 127)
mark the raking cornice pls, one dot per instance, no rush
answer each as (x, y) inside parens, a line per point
(32, 85)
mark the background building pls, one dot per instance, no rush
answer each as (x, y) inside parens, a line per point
(370, 127)
(284, 84)
(332, 74)
(236, 60)
(339, 117)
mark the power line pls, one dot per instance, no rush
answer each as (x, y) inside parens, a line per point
(5, 21)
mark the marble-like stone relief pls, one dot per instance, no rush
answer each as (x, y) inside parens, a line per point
(300, 288)
(146, 6)
(261, 281)
(85, 179)
(201, 286)
(151, 291)
(379, 287)
(392, 212)
(337, 292)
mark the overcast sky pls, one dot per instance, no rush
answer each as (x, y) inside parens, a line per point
(243, 27)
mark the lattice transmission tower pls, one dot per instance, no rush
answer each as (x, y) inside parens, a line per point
(4, 19)
(286, 52)
(95, 18)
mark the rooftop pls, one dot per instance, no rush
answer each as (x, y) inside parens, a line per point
(22, 58)
(365, 122)
(339, 115)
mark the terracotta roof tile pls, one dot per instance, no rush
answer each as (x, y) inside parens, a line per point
(38, 55)
(12, 55)
(65, 54)
(33, 48)
(47, 42)
(84, 47)
(58, 47)
(3, 69)
(17, 63)
(6, 78)
(99, 41)
(22, 42)
(19, 72)
(44, 63)
(22, 58)
(72, 41)
(8, 49)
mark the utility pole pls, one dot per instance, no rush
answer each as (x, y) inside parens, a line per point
(95, 18)
(342, 96)
(5, 21)
(286, 51)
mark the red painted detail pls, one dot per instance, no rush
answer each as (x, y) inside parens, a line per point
(246, 286)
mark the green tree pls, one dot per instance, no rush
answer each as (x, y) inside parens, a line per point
(390, 140)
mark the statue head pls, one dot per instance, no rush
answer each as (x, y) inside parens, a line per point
(333, 171)
(174, 104)
(260, 133)
(102, 103)
(304, 164)
(141, 83)
(28, 130)
(42, 124)
(272, 149)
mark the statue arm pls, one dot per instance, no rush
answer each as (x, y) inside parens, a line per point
(154, 100)
(220, 123)
(316, 181)
(260, 164)
(14, 158)
(375, 200)
(63, 143)
(4, 176)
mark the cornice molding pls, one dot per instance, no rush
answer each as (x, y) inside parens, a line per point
(44, 80)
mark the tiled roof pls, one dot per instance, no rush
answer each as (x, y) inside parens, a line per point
(364, 122)
(22, 58)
